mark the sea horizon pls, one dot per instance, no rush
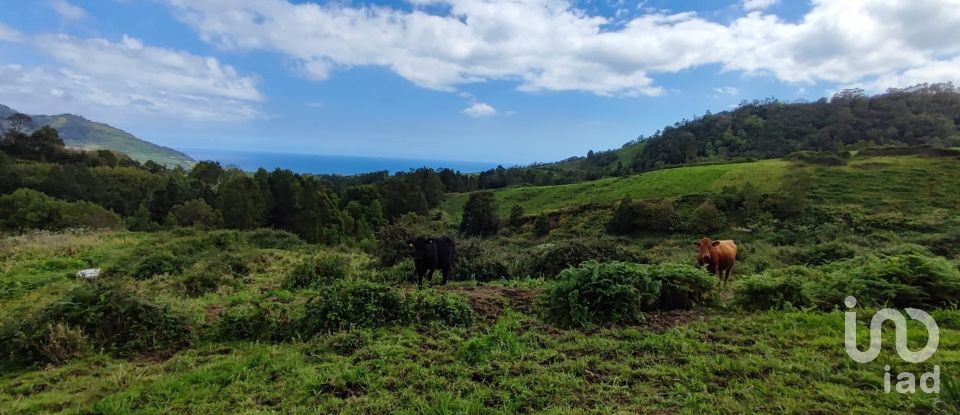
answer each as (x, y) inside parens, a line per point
(329, 164)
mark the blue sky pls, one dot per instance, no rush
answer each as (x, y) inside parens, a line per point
(510, 81)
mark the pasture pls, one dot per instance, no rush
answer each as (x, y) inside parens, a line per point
(221, 321)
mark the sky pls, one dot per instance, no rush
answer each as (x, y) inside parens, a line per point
(508, 81)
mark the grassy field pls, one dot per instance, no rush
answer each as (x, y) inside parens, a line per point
(245, 304)
(764, 174)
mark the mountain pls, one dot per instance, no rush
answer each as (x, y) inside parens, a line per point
(79, 132)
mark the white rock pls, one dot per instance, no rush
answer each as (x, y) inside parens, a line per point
(88, 274)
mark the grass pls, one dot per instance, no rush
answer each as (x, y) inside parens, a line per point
(728, 363)
(764, 174)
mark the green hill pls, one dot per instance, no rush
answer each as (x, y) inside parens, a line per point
(890, 182)
(79, 132)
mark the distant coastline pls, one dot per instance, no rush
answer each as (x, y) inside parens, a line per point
(328, 164)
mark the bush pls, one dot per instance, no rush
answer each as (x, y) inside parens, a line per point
(820, 158)
(825, 253)
(318, 269)
(613, 292)
(642, 215)
(480, 260)
(63, 343)
(480, 215)
(681, 285)
(267, 238)
(157, 264)
(451, 310)
(263, 320)
(907, 280)
(547, 260)
(349, 304)
(775, 289)
(30, 209)
(111, 317)
(209, 275)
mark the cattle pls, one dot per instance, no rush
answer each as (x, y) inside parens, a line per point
(718, 256)
(431, 254)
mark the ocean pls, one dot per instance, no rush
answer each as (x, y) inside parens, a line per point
(325, 164)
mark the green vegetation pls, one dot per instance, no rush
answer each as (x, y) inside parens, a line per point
(278, 292)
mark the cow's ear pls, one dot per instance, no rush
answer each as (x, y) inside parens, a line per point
(715, 243)
(409, 242)
(430, 241)
(696, 243)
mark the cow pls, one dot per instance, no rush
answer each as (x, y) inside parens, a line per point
(718, 256)
(431, 254)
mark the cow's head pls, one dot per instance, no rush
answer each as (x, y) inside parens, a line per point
(705, 256)
(422, 247)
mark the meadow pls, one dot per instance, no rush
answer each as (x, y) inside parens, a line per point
(191, 320)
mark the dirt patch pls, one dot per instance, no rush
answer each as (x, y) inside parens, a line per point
(212, 313)
(489, 302)
(663, 321)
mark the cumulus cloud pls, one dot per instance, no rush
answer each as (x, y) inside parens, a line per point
(754, 5)
(726, 90)
(480, 109)
(550, 45)
(68, 11)
(127, 79)
(9, 34)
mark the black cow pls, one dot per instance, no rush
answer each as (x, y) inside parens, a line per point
(430, 254)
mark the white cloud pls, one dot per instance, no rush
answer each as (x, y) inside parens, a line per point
(754, 5)
(9, 34)
(68, 11)
(550, 45)
(128, 80)
(726, 90)
(480, 109)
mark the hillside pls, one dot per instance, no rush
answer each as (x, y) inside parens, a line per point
(79, 132)
(850, 120)
(887, 182)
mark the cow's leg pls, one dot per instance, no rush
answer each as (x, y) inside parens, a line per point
(444, 271)
(419, 278)
(430, 276)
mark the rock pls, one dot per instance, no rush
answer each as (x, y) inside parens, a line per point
(88, 274)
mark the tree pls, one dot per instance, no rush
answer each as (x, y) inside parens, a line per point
(516, 216)
(541, 225)
(480, 215)
(241, 203)
(19, 122)
(195, 212)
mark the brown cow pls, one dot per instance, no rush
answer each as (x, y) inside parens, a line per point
(718, 256)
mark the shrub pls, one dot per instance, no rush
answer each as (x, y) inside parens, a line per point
(480, 260)
(157, 264)
(63, 343)
(480, 215)
(267, 238)
(612, 292)
(907, 280)
(681, 285)
(351, 304)
(348, 304)
(548, 260)
(775, 289)
(541, 225)
(825, 253)
(30, 209)
(111, 317)
(706, 218)
(642, 215)
(451, 310)
(820, 158)
(321, 268)
(262, 320)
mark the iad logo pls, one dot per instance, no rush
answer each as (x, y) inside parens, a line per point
(906, 381)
